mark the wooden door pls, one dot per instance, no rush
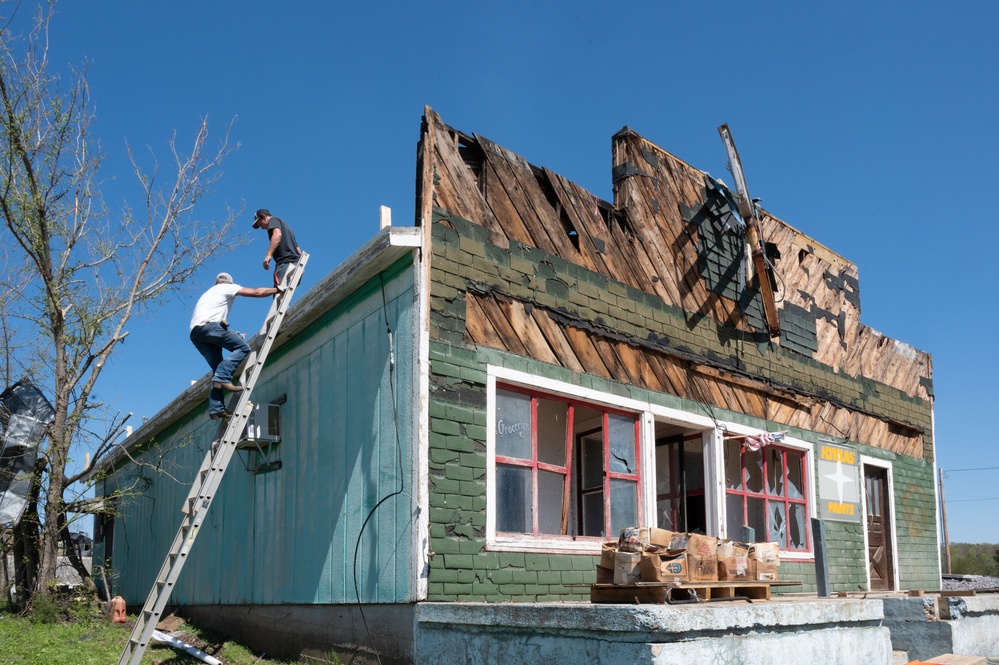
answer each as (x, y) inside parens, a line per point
(880, 558)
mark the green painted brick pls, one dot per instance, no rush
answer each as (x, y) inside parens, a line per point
(501, 576)
(473, 460)
(442, 456)
(443, 515)
(561, 562)
(456, 472)
(444, 426)
(536, 561)
(455, 561)
(446, 545)
(441, 575)
(525, 577)
(477, 432)
(445, 485)
(456, 589)
(473, 488)
(549, 577)
(512, 559)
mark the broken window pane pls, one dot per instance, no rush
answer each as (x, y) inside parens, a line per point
(666, 465)
(733, 513)
(591, 451)
(593, 514)
(756, 516)
(551, 488)
(621, 432)
(664, 512)
(794, 480)
(733, 465)
(624, 504)
(513, 424)
(775, 472)
(514, 503)
(552, 423)
(754, 471)
(693, 465)
(796, 525)
(778, 525)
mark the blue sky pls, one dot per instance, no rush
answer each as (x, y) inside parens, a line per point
(864, 125)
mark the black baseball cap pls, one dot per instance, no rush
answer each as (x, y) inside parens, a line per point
(260, 214)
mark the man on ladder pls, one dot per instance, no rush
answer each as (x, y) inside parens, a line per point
(210, 334)
(217, 457)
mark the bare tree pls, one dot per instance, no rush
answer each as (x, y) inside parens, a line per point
(83, 271)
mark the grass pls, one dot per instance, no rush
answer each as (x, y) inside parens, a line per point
(86, 639)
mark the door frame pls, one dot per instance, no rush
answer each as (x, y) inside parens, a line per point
(885, 465)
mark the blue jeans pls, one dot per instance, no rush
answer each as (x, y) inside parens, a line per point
(210, 339)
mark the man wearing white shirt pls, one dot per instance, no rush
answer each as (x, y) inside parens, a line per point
(210, 334)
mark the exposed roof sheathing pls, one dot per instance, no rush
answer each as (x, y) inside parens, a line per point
(647, 246)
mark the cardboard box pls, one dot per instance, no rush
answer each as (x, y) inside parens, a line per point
(733, 562)
(702, 558)
(627, 567)
(633, 539)
(661, 537)
(605, 575)
(664, 567)
(765, 552)
(607, 552)
(764, 572)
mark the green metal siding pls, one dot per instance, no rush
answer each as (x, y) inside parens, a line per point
(289, 536)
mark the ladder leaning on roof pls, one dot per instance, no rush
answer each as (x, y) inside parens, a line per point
(213, 468)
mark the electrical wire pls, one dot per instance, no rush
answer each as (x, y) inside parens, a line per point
(398, 444)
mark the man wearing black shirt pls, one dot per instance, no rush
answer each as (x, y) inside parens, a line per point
(283, 247)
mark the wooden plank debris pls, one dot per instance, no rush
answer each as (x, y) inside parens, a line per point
(657, 592)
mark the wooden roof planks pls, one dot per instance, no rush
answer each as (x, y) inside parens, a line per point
(642, 241)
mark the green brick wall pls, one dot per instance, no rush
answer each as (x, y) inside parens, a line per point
(461, 568)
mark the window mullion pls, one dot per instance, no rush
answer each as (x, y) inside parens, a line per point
(567, 484)
(534, 465)
(605, 438)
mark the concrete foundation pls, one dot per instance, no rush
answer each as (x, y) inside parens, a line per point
(933, 625)
(846, 631)
(314, 632)
(828, 631)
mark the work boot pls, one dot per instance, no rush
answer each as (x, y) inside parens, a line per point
(220, 415)
(231, 387)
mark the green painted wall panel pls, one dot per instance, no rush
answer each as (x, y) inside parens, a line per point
(288, 536)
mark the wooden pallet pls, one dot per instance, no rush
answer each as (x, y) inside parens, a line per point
(683, 592)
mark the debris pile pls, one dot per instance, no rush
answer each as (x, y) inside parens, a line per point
(644, 554)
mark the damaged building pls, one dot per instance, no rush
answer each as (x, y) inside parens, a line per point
(463, 412)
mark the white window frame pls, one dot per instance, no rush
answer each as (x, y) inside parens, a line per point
(810, 496)
(713, 433)
(521, 543)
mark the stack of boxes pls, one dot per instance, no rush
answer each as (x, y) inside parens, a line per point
(658, 555)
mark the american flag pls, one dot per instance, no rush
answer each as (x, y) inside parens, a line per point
(766, 438)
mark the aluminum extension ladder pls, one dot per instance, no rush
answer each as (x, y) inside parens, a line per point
(213, 468)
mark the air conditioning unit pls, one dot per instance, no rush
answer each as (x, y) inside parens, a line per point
(264, 425)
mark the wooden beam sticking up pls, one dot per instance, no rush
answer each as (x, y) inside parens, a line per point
(754, 236)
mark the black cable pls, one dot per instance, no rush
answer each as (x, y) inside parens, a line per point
(398, 445)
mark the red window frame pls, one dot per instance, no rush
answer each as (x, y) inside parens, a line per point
(566, 470)
(771, 498)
